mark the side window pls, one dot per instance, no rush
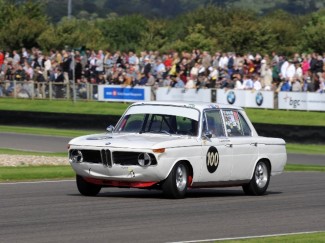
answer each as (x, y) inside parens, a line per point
(246, 129)
(213, 123)
(233, 124)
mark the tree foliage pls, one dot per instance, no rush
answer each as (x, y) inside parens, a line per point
(208, 27)
(21, 24)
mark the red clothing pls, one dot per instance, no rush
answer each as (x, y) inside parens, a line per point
(305, 66)
(2, 57)
(168, 63)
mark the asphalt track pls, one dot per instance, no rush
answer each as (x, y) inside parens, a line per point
(56, 212)
(59, 144)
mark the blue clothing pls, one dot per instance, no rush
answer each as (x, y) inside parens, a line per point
(286, 86)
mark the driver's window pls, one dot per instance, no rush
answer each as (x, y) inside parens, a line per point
(213, 123)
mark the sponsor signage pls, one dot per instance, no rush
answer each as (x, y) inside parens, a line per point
(246, 98)
(301, 101)
(180, 94)
(121, 93)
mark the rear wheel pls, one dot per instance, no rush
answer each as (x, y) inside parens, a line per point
(175, 186)
(260, 180)
(86, 188)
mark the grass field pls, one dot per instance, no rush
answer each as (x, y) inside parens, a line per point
(292, 238)
(105, 108)
(44, 172)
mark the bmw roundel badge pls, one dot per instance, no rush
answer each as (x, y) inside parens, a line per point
(231, 97)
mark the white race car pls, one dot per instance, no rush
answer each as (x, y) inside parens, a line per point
(176, 146)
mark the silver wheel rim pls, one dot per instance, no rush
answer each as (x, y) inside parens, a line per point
(261, 175)
(181, 177)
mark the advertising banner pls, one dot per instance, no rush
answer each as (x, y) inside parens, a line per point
(301, 101)
(121, 93)
(179, 94)
(246, 98)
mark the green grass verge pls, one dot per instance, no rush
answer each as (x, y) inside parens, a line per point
(111, 108)
(62, 106)
(296, 238)
(48, 131)
(305, 148)
(286, 117)
(294, 167)
(23, 152)
(28, 173)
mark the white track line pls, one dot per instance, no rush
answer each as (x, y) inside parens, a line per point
(33, 182)
(248, 237)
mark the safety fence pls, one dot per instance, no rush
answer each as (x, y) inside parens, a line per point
(118, 93)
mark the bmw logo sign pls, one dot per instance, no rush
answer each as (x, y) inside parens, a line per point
(231, 97)
(259, 98)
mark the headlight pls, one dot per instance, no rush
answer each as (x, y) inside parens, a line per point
(144, 159)
(76, 156)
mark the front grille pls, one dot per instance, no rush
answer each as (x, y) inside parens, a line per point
(106, 157)
(130, 158)
(92, 156)
(96, 156)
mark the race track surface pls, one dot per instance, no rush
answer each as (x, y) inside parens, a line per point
(59, 144)
(55, 212)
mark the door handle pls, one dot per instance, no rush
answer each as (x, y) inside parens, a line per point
(253, 144)
(229, 145)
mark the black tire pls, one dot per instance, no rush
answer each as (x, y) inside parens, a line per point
(85, 188)
(260, 180)
(175, 186)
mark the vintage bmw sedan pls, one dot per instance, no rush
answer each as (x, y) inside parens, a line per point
(175, 146)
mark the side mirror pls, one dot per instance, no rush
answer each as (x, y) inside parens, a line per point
(110, 128)
(208, 134)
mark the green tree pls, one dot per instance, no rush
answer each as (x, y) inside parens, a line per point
(72, 33)
(21, 24)
(314, 32)
(124, 33)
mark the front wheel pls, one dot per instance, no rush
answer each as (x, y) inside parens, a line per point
(175, 186)
(260, 180)
(85, 188)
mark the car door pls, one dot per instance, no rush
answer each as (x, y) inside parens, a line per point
(216, 150)
(244, 145)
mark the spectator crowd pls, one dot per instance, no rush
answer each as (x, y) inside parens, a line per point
(187, 70)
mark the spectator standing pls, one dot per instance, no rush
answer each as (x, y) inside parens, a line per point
(268, 78)
(291, 70)
(296, 85)
(15, 58)
(223, 62)
(248, 83)
(257, 83)
(147, 67)
(66, 62)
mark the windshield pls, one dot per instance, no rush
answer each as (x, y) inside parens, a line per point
(158, 123)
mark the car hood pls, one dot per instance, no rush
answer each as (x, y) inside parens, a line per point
(131, 140)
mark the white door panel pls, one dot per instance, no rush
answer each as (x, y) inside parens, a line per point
(245, 155)
(216, 160)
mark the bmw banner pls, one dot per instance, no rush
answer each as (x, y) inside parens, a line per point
(121, 93)
(246, 98)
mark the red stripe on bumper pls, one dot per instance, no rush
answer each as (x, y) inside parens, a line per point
(134, 184)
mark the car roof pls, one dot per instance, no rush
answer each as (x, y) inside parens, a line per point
(197, 105)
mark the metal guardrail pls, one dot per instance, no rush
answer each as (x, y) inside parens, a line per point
(47, 90)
